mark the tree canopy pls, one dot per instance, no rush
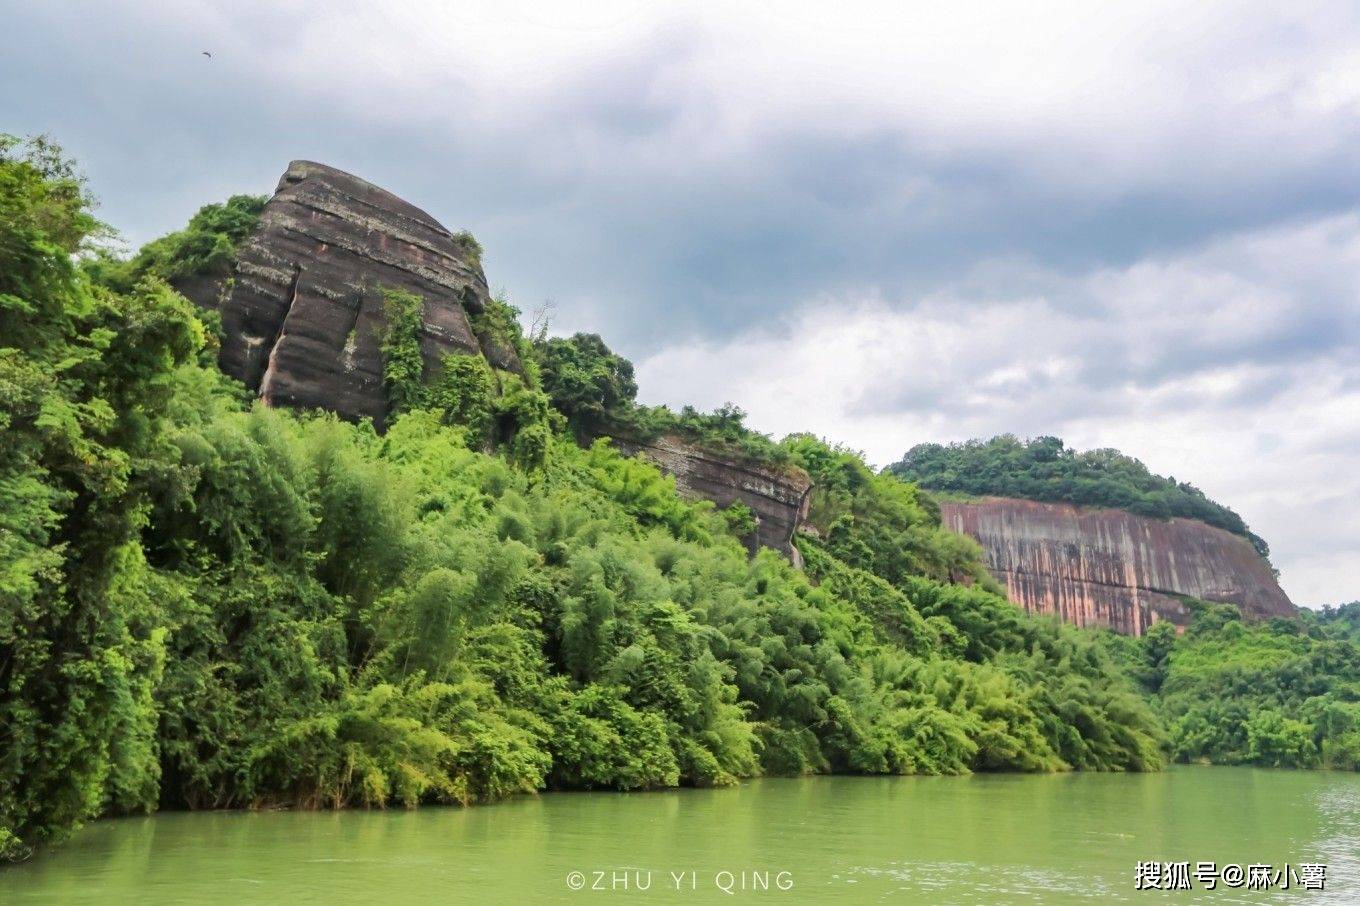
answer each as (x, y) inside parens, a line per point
(1283, 693)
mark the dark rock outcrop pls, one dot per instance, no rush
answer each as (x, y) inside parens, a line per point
(777, 497)
(1101, 567)
(303, 324)
(302, 313)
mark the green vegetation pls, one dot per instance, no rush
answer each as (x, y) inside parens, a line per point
(403, 364)
(83, 391)
(206, 247)
(495, 409)
(204, 604)
(880, 523)
(470, 246)
(1284, 693)
(1045, 469)
(741, 520)
(588, 383)
(498, 329)
(595, 389)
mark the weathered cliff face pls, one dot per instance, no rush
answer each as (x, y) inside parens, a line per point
(1099, 567)
(302, 314)
(777, 498)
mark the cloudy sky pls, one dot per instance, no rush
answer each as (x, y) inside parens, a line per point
(1134, 227)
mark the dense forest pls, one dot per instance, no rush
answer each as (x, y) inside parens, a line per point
(206, 603)
(1045, 469)
(1283, 693)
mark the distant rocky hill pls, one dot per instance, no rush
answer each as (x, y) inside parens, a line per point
(1107, 567)
(303, 324)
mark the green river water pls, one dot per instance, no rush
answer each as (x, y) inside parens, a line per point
(979, 839)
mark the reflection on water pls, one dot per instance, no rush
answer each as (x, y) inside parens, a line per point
(1338, 843)
(980, 839)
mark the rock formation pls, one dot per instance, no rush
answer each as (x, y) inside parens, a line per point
(302, 314)
(1101, 567)
(777, 497)
(303, 324)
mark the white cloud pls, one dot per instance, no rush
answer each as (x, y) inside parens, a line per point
(1108, 97)
(1188, 379)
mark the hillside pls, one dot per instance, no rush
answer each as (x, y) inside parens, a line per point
(1104, 567)
(1044, 468)
(1278, 693)
(210, 601)
(1095, 537)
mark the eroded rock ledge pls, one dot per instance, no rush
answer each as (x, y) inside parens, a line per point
(1101, 567)
(778, 498)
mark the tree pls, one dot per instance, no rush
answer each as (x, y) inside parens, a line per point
(587, 382)
(1045, 469)
(84, 385)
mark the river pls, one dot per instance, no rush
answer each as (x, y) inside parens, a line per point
(979, 839)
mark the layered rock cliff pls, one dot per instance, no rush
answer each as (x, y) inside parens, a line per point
(302, 313)
(777, 497)
(1102, 567)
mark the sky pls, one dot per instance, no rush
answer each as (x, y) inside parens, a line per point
(1129, 225)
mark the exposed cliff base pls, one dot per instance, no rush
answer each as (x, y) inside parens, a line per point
(777, 497)
(1102, 567)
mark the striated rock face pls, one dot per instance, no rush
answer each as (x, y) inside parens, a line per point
(1100, 567)
(302, 315)
(779, 499)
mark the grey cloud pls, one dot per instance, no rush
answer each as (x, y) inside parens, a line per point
(584, 192)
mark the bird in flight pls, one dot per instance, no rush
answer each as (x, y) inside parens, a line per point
(208, 55)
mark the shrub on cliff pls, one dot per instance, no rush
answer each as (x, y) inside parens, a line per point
(206, 246)
(588, 383)
(878, 522)
(594, 388)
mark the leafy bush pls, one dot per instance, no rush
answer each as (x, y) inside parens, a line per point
(588, 383)
(207, 246)
(1284, 693)
(403, 363)
(878, 522)
(83, 392)
(595, 389)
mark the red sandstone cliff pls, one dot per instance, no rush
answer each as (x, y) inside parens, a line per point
(1099, 567)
